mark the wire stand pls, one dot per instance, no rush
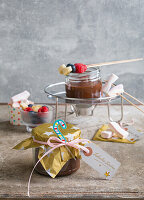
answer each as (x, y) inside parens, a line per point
(57, 90)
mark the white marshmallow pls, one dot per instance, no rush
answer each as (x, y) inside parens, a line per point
(31, 102)
(121, 133)
(118, 89)
(27, 102)
(21, 96)
(109, 83)
(106, 134)
(16, 105)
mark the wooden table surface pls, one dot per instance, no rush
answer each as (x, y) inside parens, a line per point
(15, 166)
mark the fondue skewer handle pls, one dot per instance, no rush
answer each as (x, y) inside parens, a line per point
(134, 98)
(131, 103)
(129, 100)
(80, 68)
(114, 62)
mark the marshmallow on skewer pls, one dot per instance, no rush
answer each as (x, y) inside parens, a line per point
(118, 89)
(109, 83)
(121, 133)
(106, 134)
(21, 96)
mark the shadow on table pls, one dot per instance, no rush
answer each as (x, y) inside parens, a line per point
(16, 170)
(6, 128)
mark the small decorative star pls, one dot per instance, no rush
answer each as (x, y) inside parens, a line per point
(70, 136)
(107, 174)
(48, 133)
(51, 127)
(74, 128)
(46, 150)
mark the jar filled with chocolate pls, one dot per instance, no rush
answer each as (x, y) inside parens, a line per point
(60, 161)
(84, 85)
(49, 157)
(70, 166)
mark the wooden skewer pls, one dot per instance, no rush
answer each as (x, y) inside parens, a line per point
(66, 70)
(134, 98)
(114, 62)
(131, 103)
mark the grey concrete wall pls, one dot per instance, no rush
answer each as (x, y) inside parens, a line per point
(36, 36)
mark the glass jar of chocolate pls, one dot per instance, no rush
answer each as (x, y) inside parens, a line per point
(60, 161)
(57, 160)
(70, 166)
(84, 85)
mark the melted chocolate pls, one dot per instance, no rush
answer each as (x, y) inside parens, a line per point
(84, 89)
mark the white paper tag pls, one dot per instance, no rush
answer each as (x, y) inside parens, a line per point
(101, 161)
(133, 134)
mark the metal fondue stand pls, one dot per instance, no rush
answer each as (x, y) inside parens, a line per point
(57, 90)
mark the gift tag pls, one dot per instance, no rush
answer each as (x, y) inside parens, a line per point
(101, 161)
(133, 134)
